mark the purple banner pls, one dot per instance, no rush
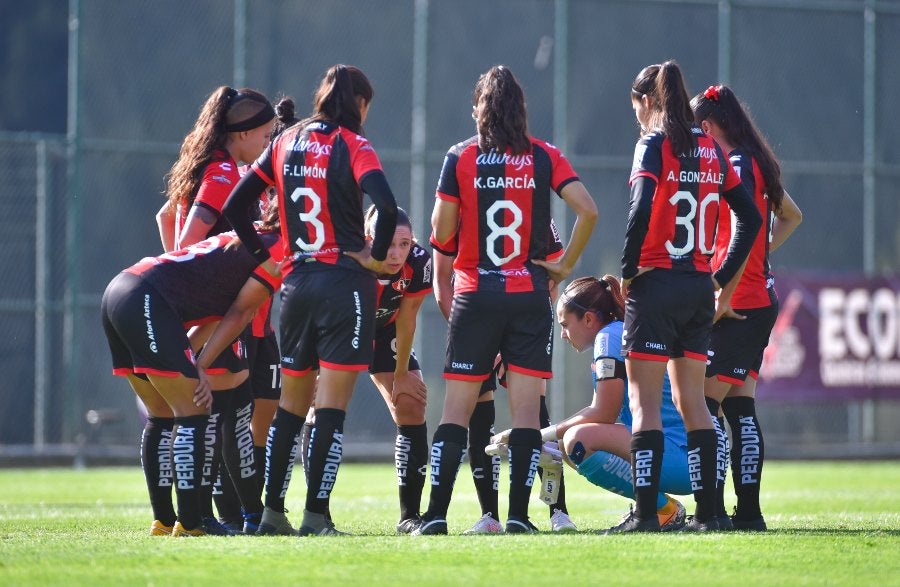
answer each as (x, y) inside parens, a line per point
(837, 337)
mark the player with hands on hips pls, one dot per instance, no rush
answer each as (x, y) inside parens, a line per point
(492, 211)
(321, 168)
(678, 177)
(740, 337)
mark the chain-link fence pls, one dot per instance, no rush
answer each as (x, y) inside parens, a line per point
(819, 76)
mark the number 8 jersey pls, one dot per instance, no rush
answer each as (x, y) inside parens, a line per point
(684, 215)
(317, 170)
(504, 212)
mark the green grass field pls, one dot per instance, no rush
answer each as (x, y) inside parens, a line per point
(830, 524)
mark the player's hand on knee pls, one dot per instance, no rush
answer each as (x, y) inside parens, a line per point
(411, 386)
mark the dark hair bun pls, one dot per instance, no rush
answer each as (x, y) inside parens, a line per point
(285, 109)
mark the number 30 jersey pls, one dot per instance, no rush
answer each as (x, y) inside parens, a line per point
(317, 170)
(504, 212)
(685, 208)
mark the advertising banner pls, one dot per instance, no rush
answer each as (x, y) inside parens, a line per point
(837, 337)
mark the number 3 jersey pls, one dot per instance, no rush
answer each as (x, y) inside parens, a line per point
(201, 282)
(317, 170)
(684, 215)
(504, 214)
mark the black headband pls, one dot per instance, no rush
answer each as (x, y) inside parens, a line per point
(257, 120)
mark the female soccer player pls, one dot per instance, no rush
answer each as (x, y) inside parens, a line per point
(395, 370)
(486, 467)
(320, 169)
(742, 334)
(234, 125)
(492, 211)
(590, 313)
(145, 310)
(677, 179)
(240, 486)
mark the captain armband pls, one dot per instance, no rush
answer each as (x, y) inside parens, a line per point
(609, 368)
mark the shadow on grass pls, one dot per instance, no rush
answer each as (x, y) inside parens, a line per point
(832, 531)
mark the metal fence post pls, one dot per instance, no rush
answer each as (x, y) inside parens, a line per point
(559, 210)
(868, 213)
(417, 198)
(41, 285)
(240, 43)
(72, 397)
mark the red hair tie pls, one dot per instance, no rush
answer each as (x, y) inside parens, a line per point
(712, 93)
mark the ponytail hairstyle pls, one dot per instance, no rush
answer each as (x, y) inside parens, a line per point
(670, 109)
(284, 116)
(500, 112)
(721, 105)
(335, 99)
(226, 110)
(371, 218)
(271, 222)
(602, 296)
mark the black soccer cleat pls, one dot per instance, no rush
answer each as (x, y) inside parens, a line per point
(694, 524)
(431, 528)
(754, 525)
(632, 523)
(408, 525)
(519, 526)
(214, 527)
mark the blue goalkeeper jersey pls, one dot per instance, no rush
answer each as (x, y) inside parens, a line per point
(607, 353)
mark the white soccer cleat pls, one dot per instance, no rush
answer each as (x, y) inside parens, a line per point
(561, 522)
(487, 524)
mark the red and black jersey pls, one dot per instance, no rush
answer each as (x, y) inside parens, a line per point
(200, 282)
(317, 170)
(685, 209)
(504, 211)
(219, 177)
(413, 279)
(757, 286)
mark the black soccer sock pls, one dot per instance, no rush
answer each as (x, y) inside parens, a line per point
(282, 446)
(561, 496)
(721, 456)
(485, 468)
(188, 452)
(212, 458)
(305, 435)
(646, 469)
(701, 445)
(225, 497)
(326, 449)
(259, 455)
(524, 455)
(446, 456)
(156, 461)
(224, 494)
(411, 460)
(240, 459)
(723, 475)
(747, 454)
